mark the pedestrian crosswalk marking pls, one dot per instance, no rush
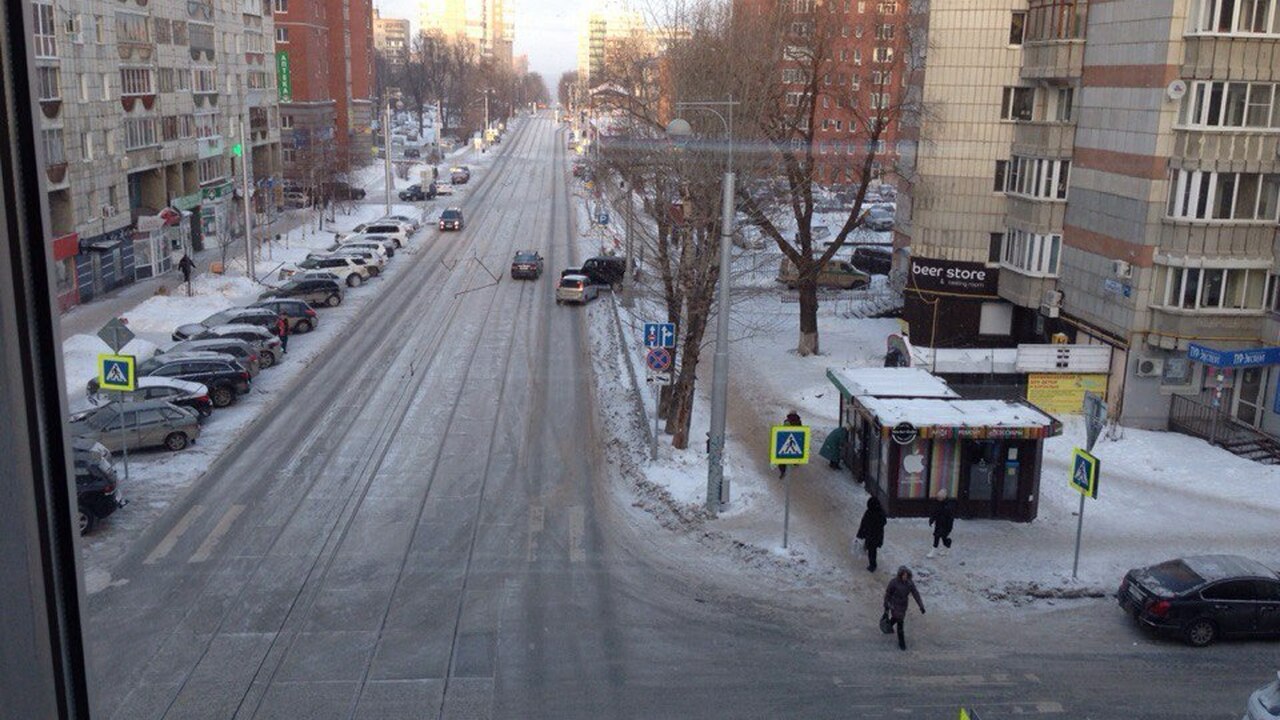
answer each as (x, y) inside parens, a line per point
(789, 445)
(790, 448)
(115, 374)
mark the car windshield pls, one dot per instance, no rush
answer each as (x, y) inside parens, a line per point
(450, 215)
(102, 418)
(526, 258)
(1174, 576)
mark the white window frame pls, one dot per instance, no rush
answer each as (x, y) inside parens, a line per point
(1174, 283)
(44, 24)
(1198, 109)
(1194, 196)
(1034, 254)
(1205, 17)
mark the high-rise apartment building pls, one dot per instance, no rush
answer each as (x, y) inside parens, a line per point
(1106, 173)
(489, 25)
(351, 75)
(148, 110)
(611, 35)
(391, 38)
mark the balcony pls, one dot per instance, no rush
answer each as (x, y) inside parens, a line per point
(1222, 57)
(1052, 60)
(1038, 216)
(1210, 147)
(1022, 289)
(1172, 328)
(209, 147)
(1054, 140)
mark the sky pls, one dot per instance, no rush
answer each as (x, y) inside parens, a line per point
(546, 30)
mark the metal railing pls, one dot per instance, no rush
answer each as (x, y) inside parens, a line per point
(1219, 428)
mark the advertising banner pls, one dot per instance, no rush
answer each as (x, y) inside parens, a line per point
(952, 276)
(1063, 393)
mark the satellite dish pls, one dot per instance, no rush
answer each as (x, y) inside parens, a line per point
(1176, 89)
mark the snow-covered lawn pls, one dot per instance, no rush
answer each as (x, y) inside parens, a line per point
(1162, 494)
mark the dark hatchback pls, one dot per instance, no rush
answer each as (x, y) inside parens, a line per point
(1203, 598)
(451, 219)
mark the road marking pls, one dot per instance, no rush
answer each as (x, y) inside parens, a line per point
(206, 548)
(537, 517)
(577, 524)
(180, 527)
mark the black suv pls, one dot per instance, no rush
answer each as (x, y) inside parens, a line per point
(602, 270)
(316, 291)
(415, 192)
(225, 378)
(873, 260)
(230, 316)
(451, 219)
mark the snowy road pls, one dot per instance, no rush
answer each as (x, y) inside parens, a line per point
(425, 528)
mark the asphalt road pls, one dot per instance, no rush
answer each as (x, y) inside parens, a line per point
(424, 529)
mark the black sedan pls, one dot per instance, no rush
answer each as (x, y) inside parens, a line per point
(1203, 598)
(526, 264)
(451, 219)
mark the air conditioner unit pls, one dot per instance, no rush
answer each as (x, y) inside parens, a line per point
(1121, 269)
(1051, 303)
(1150, 367)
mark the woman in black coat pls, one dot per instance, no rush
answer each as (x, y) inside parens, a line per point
(942, 519)
(871, 530)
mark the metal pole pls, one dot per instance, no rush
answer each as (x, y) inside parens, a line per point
(628, 276)
(657, 400)
(717, 487)
(386, 146)
(124, 446)
(1075, 565)
(786, 513)
(248, 219)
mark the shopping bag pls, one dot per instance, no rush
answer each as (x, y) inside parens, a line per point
(886, 625)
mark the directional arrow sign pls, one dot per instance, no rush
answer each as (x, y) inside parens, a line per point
(659, 335)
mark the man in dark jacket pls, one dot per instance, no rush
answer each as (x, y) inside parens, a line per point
(896, 599)
(871, 530)
(942, 519)
(793, 418)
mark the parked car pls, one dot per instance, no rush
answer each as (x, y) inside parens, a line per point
(444, 188)
(302, 317)
(393, 229)
(526, 264)
(374, 258)
(179, 392)
(416, 193)
(459, 175)
(237, 315)
(412, 153)
(242, 351)
(408, 224)
(151, 423)
(265, 341)
(337, 190)
(837, 273)
(306, 286)
(386, 243)
(294, 199)
(880, 218)
(1203, 598)
(601, 270)
(97, 485)
(1264, 703)
(351, 272)
(225, 378)
(575, 289)
(451, 219)
(873, 260)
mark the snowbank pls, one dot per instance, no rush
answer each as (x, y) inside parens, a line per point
(80, 361)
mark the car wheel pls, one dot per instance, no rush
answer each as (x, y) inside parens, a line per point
(266, 360)
(175, 441)
(354, 280)
(304, 326)
(85, 520)
(333, 300)
(1201, 632)
(222, 396)
(375, 272)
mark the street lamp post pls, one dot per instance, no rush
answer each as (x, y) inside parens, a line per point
(386, 150)
(717, 486)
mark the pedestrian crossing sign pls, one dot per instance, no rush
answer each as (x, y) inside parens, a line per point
(117, 372)
(789, 445)
(1084, 472)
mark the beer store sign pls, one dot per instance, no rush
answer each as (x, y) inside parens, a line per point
(962, 278)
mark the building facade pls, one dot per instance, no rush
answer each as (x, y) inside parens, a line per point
(1105, 172)
(147, 113)
(391, 38)
(489, 25)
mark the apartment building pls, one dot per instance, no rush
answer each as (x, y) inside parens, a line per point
(1105, 173)
(147, 111)
(489, 25)
(391, 38)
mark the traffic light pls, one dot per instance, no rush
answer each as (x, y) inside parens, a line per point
(237, 149)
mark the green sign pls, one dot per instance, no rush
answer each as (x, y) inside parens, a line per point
(186, 202)
(284, 78)
(217, 191)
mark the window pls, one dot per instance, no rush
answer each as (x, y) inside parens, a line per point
(1230, 590)
(1211, 289)
(106, 86)
(887, 7)
(54, 153)
(1017, 25)
(793, 99)
(206, 80)
(1065, 99)
(210, 169)
(880, 101)
(883, 55)
(282, 35)
(1031, 253)
(45, 32)
(1017, 103)
(994, 244)
(857, 56)
(86, 146)
(162, 29)
(1231, 104)
(1205, 195)
(884, 32)
(1002, 168)
(1056, 20)
(164, 80)
(286, 122)
(132, 28)
(1038, 178)
(135, 81)
(139, 133)
(1252, 17)
(280, 6)
(995, 319)
(47, 85)
(881, 77)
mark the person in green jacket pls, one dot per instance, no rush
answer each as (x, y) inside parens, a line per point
(833, 446)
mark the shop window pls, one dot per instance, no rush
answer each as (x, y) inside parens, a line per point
(913, 470)
(944, 469)
(1177, 372)
(995, 319)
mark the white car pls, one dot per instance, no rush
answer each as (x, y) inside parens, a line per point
(388, 242)
(444, 188)
(347, 269)
(393, 229)
(1264, 703)
(404, 221)
(373, 244)
(372, 258)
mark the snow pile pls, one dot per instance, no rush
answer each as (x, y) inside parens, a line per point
(210, 294)
(80, 360)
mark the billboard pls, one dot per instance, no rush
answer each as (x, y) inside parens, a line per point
(952, 276)
(1063, 393)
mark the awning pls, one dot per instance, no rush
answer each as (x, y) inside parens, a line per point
(1246, 357)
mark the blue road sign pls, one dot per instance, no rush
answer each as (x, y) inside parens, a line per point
(658, 359)
(789, 445)
(602, 218)
(1084, 473)
(659, 335)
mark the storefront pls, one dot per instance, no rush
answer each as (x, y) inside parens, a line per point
(949, 303)
(216, 212)
(159, 241)
(104, 263)
(66, 289)
(1241, 382)
(911, 438)
(189, 205)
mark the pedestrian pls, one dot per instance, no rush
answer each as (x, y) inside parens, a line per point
(871, 530)
(793, 418)
(942, 519)
(282, 331)
(833, 447)
(186, 266)
(897, 597)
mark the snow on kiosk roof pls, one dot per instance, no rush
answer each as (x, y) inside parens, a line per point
(890, 382)
(945, 418)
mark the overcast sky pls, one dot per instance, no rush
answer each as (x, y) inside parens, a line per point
(547, 30)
